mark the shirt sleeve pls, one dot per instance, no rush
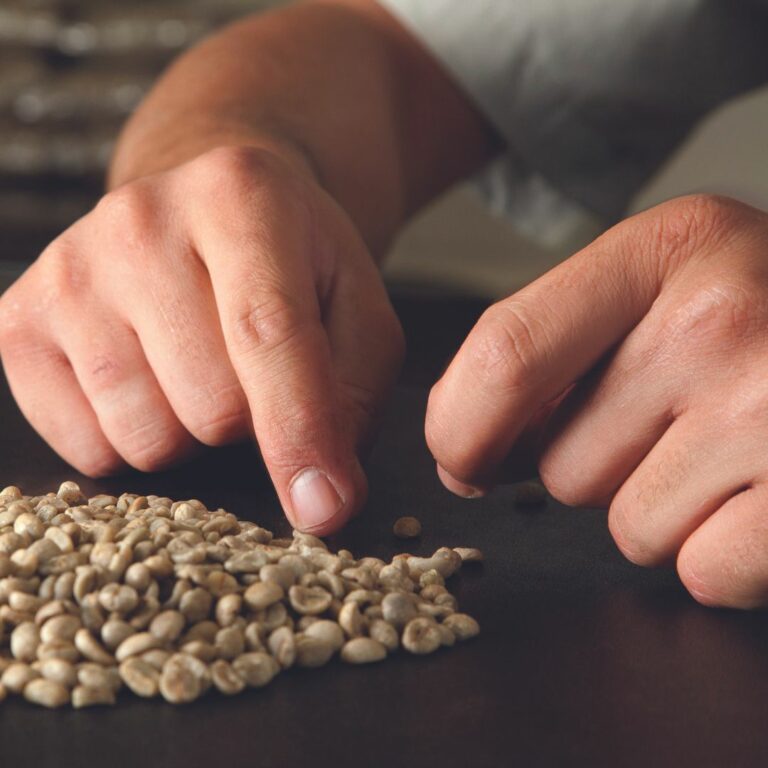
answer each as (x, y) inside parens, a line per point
(591, 96)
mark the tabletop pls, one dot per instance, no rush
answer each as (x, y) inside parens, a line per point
(583, 658)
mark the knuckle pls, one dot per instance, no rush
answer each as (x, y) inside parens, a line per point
(722, 311)
(59, 275)
(363, 400)
(103, 375)
(693, 220)
(503, 348)
(238, 169)
(253, 189)
(13, 319)
(126, 205)
(296, 434)
(269, 322)
(129, 211)
(61, 272)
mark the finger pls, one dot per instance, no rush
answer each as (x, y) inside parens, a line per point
(693, 469)
(49, 395)
(607, 424)
(366, 343)
(265, 284)
(457, 487)
(725, 561)
(528, 349)
(522, 461)
(113, 372)
(178, 326)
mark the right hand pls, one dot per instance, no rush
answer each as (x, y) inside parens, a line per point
(226, 298)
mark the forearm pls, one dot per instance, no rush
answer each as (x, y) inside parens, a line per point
(338, 87)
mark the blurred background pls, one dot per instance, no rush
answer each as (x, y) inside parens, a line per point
(70, 73)
(72, 70)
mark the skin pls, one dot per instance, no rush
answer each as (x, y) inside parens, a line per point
(664, 414)
(227, 287)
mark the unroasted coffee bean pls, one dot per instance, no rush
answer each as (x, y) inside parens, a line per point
(309, 600)
(530, 494)
(114, 632)
(351, 620)
(183, 598)
(167, 626)
(398, 609)
(183, 679)
(91, 675)
(142, 678)
(136, 645)
(385, 633)
(60, 671)
(312, 651)
(229, 642)
(46, 693)
(256, 669)
(262, 595)
(469, 554)
(25, 640)
(17, 676)
(363, 650)
(226, 680)
(407, 528)
(83, 696)
(463, 627)
(328, 631)
(421, 636)
(282, 646)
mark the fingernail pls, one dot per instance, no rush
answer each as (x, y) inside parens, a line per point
(457, 487)
(314, 500)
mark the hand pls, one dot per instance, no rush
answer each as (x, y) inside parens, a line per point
(648, 354)
(228, 297)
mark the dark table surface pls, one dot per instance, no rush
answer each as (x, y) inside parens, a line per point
(583, 659)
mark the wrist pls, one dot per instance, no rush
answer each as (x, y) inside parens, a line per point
(144, 153)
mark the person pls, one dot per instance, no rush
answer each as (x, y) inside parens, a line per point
(227, 284)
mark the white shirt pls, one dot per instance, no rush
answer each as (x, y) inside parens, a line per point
(591, 96)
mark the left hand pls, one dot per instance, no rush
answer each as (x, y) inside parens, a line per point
(648, 354)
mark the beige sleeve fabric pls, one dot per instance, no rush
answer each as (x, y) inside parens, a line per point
(591, 96)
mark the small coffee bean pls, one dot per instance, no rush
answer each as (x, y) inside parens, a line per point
(142, 678)
(46, 693)
(226, 680)
(262, 595)
(83, 697)
(463, 627)
(363, 650)
(407, 528)
(421, 636)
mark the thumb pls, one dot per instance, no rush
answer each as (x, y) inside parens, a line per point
(528, 349)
